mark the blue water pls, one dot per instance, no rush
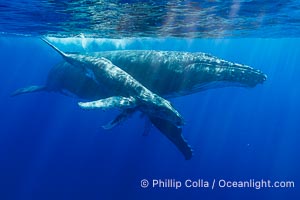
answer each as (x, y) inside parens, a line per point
(51, 149)
(135, 18)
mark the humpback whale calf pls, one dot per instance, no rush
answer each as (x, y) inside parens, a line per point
(166, 73)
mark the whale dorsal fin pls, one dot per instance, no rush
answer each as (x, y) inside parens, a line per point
(109, 103)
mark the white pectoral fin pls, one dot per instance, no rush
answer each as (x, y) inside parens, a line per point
(109, 103)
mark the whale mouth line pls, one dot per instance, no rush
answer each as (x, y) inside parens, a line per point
(208, 86)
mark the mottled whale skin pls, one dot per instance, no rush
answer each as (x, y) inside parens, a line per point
(174, 73)
(166, 73)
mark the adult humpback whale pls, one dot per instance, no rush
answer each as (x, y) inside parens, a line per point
(174, 73)
(166, 73)
(169, 74)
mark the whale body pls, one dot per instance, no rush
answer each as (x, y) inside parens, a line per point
(166, 73)
(175, 73)
(120, 90)
(161, 73)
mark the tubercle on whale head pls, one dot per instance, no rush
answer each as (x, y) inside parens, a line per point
(224, 71)
(245, 74)
(251, 77)
(261, 77)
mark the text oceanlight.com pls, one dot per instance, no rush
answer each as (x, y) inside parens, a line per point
(215, 183)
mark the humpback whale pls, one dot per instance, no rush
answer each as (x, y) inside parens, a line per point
(120, 90)
(165, 73)
(174, 73)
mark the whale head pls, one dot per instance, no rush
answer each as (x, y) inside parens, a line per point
(220, 73)
(244, 75)
(160, 108)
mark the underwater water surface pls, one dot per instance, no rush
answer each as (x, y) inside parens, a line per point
(52, 149)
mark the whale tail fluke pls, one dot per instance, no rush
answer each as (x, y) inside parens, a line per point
(29, 89)
(173, 133)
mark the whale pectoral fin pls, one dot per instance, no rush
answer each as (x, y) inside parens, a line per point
(115, 122)
(108, 103)
(67, 93)
(29, 89)
(173, 133)
(119, 119)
